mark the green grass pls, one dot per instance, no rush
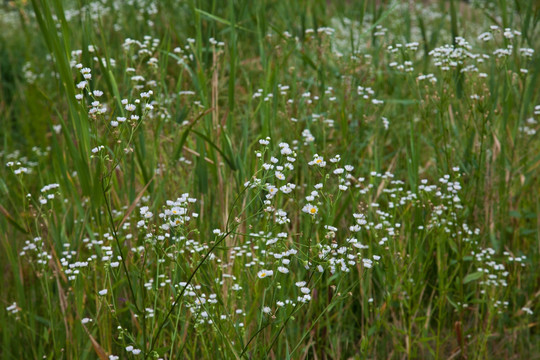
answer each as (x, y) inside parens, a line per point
(269, 179)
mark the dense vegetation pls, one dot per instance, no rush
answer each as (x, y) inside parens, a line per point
(269, 179)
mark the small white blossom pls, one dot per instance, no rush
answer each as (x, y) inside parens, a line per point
(265, 273)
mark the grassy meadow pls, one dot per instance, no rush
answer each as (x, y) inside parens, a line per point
(244, 179)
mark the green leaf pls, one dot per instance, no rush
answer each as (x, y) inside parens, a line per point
(185, 134)
(211, 143)
(472, 277)
(221, 20)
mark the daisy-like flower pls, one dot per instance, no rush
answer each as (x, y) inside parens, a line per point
(283, 270)
(178, 211)
(280, 175)
(144, 212)
(272, 190)
(310, 209)
(318, 160)
(527, 310)
(286, 189)
(97, 149)
(13, 308)
(265, 273)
